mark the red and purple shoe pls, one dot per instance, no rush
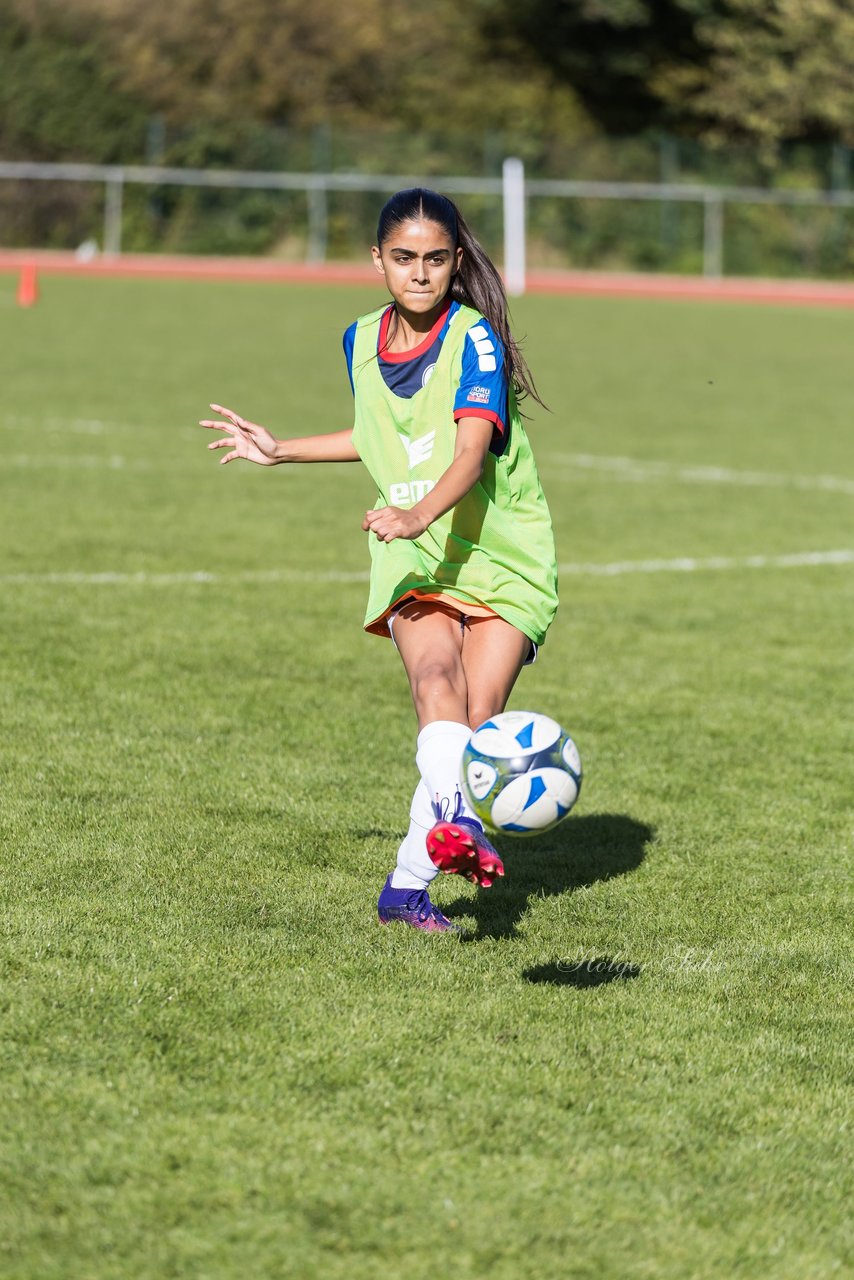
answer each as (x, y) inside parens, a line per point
(459, 847)
(412, 907)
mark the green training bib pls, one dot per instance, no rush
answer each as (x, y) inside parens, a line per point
(496, 546)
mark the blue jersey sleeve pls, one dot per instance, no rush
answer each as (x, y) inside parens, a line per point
(349, 341)
(482, 392)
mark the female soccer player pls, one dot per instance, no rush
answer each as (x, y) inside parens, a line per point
(463, 573)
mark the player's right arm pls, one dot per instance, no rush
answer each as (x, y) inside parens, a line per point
(254, 443)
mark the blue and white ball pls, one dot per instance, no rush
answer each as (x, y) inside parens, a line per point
(521, 773)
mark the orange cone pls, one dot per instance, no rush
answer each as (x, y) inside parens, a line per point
(28, 286)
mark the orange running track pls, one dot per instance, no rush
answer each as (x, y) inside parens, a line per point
(590, 283)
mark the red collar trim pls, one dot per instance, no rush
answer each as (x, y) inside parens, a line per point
(400, 357)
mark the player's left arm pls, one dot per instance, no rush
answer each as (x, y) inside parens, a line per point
(470, 449)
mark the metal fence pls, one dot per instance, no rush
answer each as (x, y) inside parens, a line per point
(513, 190)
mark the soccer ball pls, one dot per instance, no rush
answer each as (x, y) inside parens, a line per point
(521, 773)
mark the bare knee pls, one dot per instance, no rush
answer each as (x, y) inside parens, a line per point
(481, 709)
(437, 681)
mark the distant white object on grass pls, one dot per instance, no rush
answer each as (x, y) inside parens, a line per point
(86, 251)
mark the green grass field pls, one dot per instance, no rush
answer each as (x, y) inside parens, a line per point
(214, 1062)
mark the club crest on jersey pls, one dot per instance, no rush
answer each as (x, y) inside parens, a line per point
(418, 450)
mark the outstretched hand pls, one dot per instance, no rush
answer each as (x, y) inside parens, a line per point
(245, 439)
(388, 523)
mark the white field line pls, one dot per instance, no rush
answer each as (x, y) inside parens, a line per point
(635, 469)
(802, 559)
(36, 427)
(76, 426)
(688, 564)
(78, 462)
(621, 468)
(144, 579)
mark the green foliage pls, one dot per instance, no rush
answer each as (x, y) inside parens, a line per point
(365, 64)
(771, 72)
(611, 52)
(59, 100)
(59, 93)
(616, 235)
(214, 219)
(214, 1062)
(722, 69)
(80, 79)
(716, 91)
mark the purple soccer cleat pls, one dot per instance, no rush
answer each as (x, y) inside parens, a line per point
(412, 907)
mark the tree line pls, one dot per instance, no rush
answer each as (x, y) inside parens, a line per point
(84, 79)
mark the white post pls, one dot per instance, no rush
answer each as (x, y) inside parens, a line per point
(713, 236)
(318, 223)
(113, 214)
(513, 184)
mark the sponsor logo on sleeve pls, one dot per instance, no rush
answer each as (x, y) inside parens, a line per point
(478, 395)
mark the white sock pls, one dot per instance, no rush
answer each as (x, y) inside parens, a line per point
(415, 868)
(439, 758)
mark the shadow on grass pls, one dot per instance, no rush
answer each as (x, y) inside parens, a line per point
(594, 972)
(579, 852)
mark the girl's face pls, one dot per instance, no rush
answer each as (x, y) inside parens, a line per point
(418, 261)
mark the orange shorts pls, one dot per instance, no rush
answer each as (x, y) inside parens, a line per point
(468, 614)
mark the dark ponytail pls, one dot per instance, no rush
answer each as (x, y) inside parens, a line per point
(477, 284)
